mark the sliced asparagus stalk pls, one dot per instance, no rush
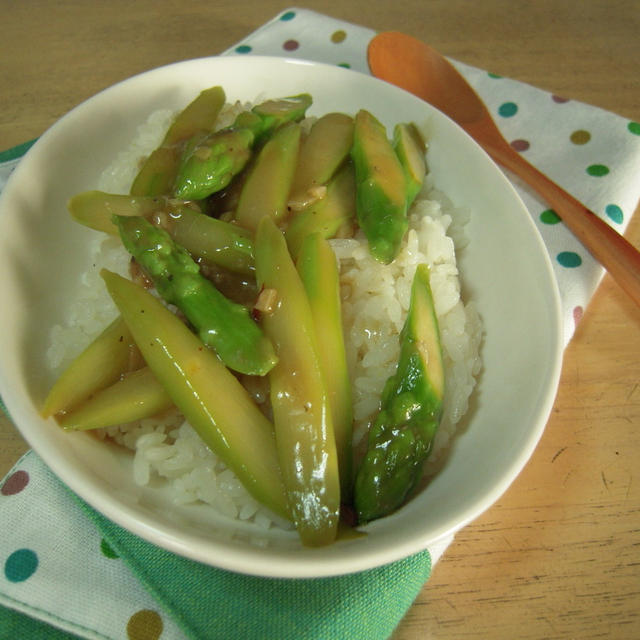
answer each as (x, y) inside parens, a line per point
(300, 402)
(319, 273)
(266, 188)
(98, 365)
(136, 396)
(402, 435)
(224, 325)
(381, 188)
(209, 396)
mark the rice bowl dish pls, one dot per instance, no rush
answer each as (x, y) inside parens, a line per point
(169, 459)
(375, 300)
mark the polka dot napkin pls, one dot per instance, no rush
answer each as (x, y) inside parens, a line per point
(67, 566)
(69, 573)
(58, 567)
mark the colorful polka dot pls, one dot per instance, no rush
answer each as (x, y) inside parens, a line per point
(520, 145)
(345, 65)
(106, 550)
(580, 137)
(578, 312)
(495, 76)
(21, 565)
(569, 259)
(549, 217)
(508, 109)
(634, 127)
(243, 48)
(289, 15)
(559, 99)
(338, 36)
(290, 45)
(614, 212)
(15, 483)
(597, 170)
(144, 625)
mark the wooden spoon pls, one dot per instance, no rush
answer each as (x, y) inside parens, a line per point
(412, 65)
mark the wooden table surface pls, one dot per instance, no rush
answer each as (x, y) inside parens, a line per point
(558, 556)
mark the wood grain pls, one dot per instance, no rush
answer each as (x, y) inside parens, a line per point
(557, 555)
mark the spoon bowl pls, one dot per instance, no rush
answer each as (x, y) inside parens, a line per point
(418, 68)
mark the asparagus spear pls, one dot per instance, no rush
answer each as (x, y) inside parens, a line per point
(224, 325)
(319, 273)
(205, 391)
(225, 244)
(381, 194)
(322, 152)
(157, 174)
(209, 164)
(216, 241)
(302, 418)
(411, 407)
(137, 395)
(266, 117)
(329, 214)
(410, 148)
(199, 115)
(95, 209)
(98, 366)
(266, 189)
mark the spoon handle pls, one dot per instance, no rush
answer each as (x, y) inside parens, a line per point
(618, 256)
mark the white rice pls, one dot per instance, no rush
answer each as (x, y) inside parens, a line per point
(375, 300)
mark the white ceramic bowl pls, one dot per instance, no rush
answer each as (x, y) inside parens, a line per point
(505, 269)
